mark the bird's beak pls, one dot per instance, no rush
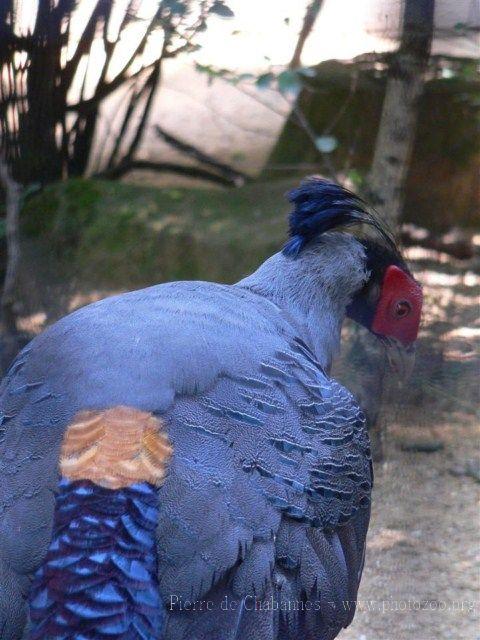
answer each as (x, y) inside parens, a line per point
(400, 358)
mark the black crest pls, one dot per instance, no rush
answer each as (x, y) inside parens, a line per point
(321, 206)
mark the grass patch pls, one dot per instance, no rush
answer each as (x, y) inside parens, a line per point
(118, 234)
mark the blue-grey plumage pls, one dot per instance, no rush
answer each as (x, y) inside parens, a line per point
(267, 493)
(98, 576)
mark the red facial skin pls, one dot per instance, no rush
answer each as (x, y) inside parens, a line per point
(399, 308)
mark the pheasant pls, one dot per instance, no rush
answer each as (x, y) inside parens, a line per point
(177, 462)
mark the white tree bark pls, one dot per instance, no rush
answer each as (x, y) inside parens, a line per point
(396, 133)
(385, 185)
(395, 138)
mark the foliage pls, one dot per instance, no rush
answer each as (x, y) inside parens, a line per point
(288, 82)
(326, 144)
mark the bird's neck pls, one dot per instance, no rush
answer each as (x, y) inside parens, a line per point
(313, 293)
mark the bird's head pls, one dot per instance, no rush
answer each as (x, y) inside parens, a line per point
(389, 302)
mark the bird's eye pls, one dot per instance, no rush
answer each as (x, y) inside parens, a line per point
(402, 309)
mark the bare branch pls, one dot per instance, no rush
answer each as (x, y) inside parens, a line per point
(224, 169)
(83, 47)
(149, 89)
(305, 125)
(311, 14)
(164, 167)
(107, 89)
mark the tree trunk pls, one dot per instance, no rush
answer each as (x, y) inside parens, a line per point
(11, 339)
(385, 185)
(12, 207)
(39, 158)
(396, 132)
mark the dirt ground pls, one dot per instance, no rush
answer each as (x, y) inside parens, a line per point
(421, 577)
(422, 572)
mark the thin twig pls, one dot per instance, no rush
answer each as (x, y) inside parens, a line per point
(194, 152)
(164, 167)
(312, 11)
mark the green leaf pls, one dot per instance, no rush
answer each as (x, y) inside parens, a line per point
(326, 144)
(174, 194)
(245, 76)
(177, 7)
(202, 68)
(448, 73)
(220, 9)
(289, 81)
(308, 72)
(469, 70)
(208, 70)
(265, 80)
(356, 177)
